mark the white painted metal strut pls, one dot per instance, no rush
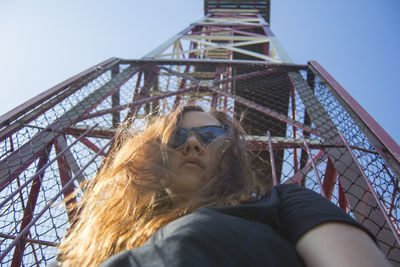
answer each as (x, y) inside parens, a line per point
(216, 38)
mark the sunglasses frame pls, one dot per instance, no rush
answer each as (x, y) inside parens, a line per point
(197, 134)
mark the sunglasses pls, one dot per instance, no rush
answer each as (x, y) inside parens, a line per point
(205, 134)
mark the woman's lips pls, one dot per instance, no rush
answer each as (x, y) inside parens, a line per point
(192, 165)
(193, 162)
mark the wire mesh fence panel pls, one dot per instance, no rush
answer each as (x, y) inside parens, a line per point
(314, 143)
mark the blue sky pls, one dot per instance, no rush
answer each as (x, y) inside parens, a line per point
(44, 42)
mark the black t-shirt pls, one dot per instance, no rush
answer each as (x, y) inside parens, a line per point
(263, 233)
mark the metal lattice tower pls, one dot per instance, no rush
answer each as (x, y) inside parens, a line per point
(304, 127)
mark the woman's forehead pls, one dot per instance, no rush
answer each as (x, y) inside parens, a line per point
(197, 119)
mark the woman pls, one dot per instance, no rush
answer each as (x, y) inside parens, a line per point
(183, 193)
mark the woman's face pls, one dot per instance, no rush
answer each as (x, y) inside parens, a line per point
(189, 162)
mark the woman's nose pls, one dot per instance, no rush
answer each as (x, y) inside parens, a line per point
(193, 144)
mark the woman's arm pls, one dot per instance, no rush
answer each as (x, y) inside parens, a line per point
(339, 244)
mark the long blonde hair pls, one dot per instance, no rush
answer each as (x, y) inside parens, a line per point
(126, 202)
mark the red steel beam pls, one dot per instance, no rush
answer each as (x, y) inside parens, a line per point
(395, 183)
(263, 145)
(233, 29)
(69, 157)
(17, 161)
(33, 102)
(29, 209)
(142, 101)
(228, 74)
(138, 80)
(343, 202)
(187, 77)
(233, 15)
(30, 240)
(48, 205)
(302, 173)
(210, 62)
(264, 110)
(76, 82)
(65, 176)
(373, 192)
(329, 179)
(96, 132)
(231, 25)
(10, 196)
(181, 49)
(181, 86)
(247, 76)
(265, 27)
(389, 144)
(214, 99)
(90, 145)
(314, 166)
(366, 208)
(194, 45)
(272, 159)
(144, 91)
(293, 98)
(213, 8)
(21, 168)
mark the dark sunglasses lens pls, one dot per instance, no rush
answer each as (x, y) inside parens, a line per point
(179, 138)
(210, 133)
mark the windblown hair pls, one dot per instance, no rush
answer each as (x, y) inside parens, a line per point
(126, 202)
